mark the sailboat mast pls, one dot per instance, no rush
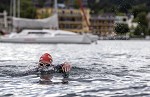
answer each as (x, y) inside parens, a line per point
(18, 3)
(56, 13)
(82, 9)
(11, 4)
(14, 8)
(55, 6)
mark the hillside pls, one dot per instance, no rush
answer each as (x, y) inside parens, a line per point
(97, 6)
(139, 8)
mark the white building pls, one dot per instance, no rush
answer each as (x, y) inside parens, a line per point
(126, 20)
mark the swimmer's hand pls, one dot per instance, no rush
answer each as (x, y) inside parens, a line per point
(66, 67)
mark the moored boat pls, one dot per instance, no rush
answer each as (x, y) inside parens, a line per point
(46, 36)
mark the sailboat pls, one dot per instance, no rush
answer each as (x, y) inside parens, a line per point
(44, 35)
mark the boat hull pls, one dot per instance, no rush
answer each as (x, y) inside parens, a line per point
(53, 40)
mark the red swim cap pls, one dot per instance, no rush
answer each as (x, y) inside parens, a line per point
(46, 58)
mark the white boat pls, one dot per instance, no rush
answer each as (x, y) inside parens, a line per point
(93, 37)
(46, 36)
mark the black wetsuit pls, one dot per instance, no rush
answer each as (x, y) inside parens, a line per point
(49, 71)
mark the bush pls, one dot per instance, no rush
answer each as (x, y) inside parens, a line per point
(122, 28)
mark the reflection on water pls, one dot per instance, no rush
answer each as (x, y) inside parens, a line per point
(108, 69)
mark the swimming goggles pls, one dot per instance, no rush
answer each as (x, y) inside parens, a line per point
(43, 64)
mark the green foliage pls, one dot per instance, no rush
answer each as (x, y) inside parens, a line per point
(140, 12)
(142, 28)
(148, 32)
(98, 6)
(27, 9)
(41, 3)
(120, 14)
(111, 6)
(122, 28)
(141, 17)
(125, 6)
(76, 4)
(139, 30)
(4, 5)
(138, 9)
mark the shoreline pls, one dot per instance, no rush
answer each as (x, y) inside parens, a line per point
(128, 39)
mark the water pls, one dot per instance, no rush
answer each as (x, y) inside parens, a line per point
(108, 69)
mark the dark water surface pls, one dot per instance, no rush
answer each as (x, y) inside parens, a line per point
(108, 69)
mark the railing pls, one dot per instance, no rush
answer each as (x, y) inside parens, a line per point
(69, 15)
(5, 22)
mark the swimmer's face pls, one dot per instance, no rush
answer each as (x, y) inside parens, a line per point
(43, 65)
(45, 71)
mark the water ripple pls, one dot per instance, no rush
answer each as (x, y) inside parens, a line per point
(108, 69)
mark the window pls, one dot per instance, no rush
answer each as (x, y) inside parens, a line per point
(37, 32)
(71, 12)
(59, 34)
(63, 12)
(124, 19)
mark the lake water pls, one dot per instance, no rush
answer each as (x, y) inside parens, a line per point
(106, 69)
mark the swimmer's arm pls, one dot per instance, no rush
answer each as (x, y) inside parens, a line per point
(65, 75)
(25, 73)
(28, 72)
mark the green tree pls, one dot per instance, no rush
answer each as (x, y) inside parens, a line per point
(125, 6)
(142, 28)
(122, 28)
(148, 32)
(141, 31)
(27, 10)
(138, 9)
(4, 5)
(141, 17)
(41, 2)
(76, 4)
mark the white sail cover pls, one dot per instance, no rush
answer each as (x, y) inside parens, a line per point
(50, 22)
